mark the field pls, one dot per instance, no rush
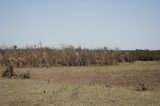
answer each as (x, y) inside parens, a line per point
(126, 84)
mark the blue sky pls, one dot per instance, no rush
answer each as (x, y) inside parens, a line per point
(127, 24)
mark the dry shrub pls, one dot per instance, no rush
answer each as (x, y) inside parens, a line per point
(24, 75)
(70, 56)
(8, 72)
(143, 87)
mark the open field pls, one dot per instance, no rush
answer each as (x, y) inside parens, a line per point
(84, 86)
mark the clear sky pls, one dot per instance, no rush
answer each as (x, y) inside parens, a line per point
(127, 24)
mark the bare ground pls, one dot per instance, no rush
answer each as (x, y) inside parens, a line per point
(85, 86)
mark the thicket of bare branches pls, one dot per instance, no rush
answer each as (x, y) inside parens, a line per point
(70, 56)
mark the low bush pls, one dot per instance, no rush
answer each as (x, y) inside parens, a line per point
(143, 87)
(8, 72)
(25, 75)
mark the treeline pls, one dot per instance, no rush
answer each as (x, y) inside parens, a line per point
(145, 55)
(70, 56)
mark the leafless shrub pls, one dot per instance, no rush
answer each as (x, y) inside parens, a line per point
(25, 75)
(8, 72)
(143, 87)
(70, 56)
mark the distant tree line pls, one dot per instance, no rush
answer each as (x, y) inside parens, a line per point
(145, 55)
(70, 56)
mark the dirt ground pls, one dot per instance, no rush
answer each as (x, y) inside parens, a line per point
(122, 85)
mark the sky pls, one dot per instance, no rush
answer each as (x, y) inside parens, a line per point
(126, 24)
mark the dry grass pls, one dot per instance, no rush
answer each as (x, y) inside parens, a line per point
(84, 86)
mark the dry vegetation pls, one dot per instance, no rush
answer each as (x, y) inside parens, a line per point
(126, 84)
(70, 56)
